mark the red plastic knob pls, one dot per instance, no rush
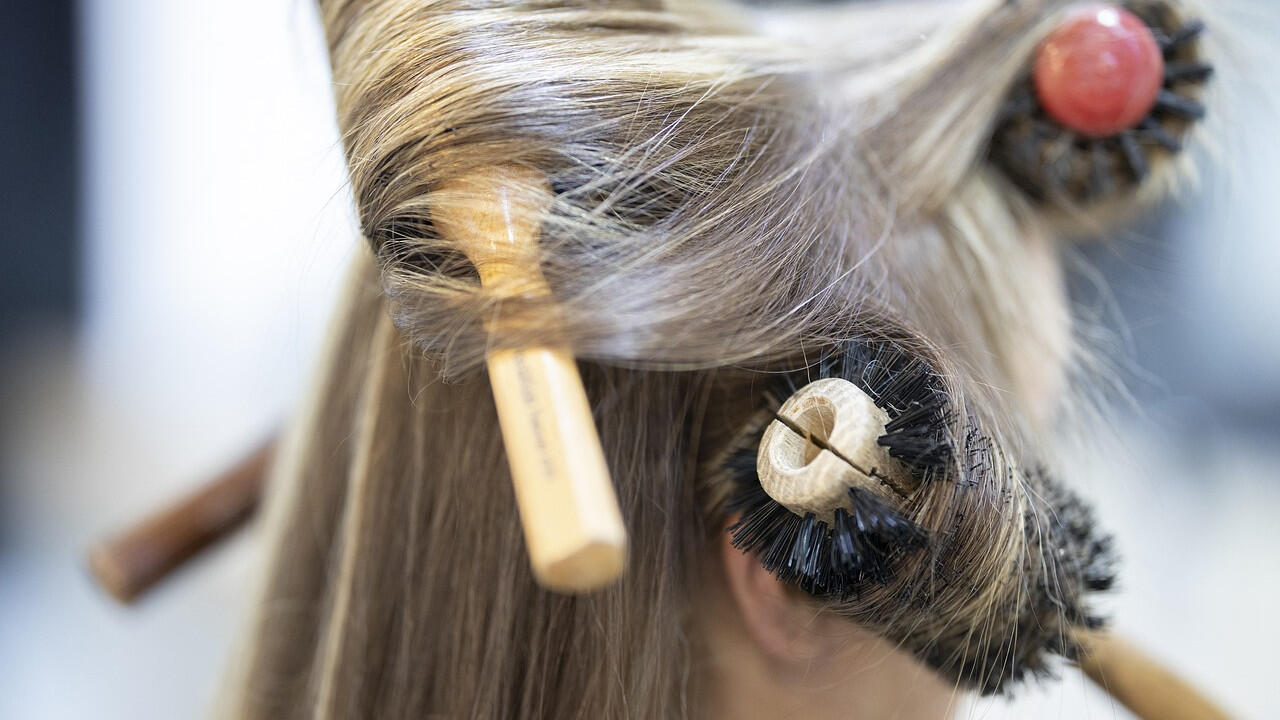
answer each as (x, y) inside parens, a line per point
(1100, 71)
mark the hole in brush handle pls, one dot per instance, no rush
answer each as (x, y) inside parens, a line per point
(825, 441)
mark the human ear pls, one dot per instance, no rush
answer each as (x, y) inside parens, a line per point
(785, 624)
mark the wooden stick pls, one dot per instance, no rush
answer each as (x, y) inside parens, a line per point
(1140, 683)
(572, 524)
(131, 563)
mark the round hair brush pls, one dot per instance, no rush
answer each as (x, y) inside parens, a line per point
(827, 517)
(1113, 92)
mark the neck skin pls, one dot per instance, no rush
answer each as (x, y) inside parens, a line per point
(865, 677)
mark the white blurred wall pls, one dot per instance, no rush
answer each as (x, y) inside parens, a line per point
(216, 221)
(217, 209)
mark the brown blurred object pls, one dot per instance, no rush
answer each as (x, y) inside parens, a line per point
(130, 563)
(1148, 689)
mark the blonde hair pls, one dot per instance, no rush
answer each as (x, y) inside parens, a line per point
(735, 192)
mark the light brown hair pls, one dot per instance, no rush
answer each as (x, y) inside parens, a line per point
(736, 191)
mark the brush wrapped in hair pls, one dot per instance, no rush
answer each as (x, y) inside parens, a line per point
(838, 484)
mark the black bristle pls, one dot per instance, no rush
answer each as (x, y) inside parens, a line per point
(1192, 70)
(1179, 105)
(845, 558)
(877, 520)
(1154, 131)
(918, 437)
(803, 565)
(761, 519)
(1133, 156)
(742, 460)
(775, 556)
(1180, 37)
(1100, 181)
(1018, 104)
(824, 560)
(908, 391)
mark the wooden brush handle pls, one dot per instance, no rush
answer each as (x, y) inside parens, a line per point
(572, 525)
(131, 563)
(1140, 683)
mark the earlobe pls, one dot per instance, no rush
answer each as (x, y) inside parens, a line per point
(784, 624)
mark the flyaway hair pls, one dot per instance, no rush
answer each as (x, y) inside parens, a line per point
(739, 195)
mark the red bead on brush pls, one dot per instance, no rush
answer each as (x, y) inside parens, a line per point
(1100, 72)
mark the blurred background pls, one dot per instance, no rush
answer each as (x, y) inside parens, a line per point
(175, 221)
